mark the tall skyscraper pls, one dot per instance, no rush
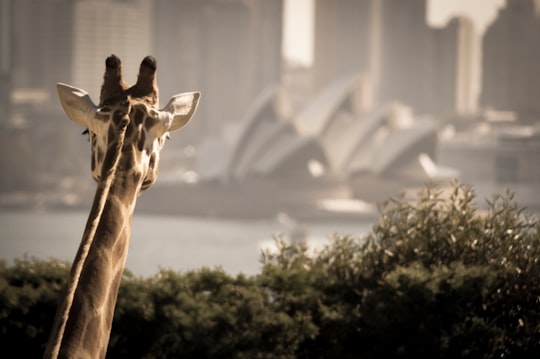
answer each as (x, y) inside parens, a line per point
(105, 27)
(343, 39)
(5, 56)
(38, 47)
(511, 60)
(453, 73)
(403, 59)
(404, 52)
(467, 71)
(230, 50)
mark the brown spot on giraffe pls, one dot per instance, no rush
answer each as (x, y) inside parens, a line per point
(127, 132)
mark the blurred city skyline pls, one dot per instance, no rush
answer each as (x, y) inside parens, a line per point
(399, 91)
(257, 42)
(298, 22)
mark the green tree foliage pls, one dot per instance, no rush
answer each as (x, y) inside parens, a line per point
(200, 314)
(29, 291)
(435, 277)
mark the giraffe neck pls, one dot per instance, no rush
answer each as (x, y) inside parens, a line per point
(84, 318)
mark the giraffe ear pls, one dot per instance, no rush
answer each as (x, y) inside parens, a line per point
(181, 109)
(77, 104)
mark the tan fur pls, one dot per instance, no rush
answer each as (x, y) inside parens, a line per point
(125, 157)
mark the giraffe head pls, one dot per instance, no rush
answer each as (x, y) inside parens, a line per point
(127, 130)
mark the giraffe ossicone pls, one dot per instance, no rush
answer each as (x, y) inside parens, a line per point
(127, 131)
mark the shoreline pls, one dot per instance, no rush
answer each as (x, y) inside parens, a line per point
(260, 199)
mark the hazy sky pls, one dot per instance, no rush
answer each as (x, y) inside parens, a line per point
(298, 42)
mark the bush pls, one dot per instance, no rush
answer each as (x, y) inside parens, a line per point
(201, 314)
(435, 277)
(29, 291)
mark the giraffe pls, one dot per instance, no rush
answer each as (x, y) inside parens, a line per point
(127, 132)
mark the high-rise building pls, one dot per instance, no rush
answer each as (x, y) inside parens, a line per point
(404, 53)
(5, 56)
(402, 58)
(105, 27)
(467, 70)
(39, 47)
(511, 60)
(453, 71)
(230, 50)
(343, 40)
